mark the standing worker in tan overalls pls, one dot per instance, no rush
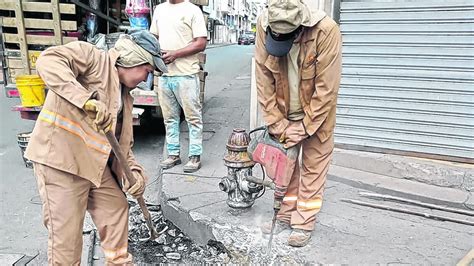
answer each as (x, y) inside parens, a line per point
(75, 169)
(298, 71)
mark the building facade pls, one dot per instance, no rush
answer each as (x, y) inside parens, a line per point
(228, 19)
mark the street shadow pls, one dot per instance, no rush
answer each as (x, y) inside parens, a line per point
(150, 127)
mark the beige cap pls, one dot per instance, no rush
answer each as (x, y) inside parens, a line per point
(285, 16)
(282, 22)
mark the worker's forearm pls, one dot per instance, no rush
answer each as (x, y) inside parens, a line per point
(194, 47)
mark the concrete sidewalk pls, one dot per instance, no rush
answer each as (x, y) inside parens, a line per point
(217, 45)
(196, 205)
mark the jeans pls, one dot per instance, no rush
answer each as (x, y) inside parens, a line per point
(176, 92)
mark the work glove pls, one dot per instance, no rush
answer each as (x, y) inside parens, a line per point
(277, 129)
(294, 134)
(138, 188)
(100, 116)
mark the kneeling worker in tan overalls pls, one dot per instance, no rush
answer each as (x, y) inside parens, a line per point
(75, 169)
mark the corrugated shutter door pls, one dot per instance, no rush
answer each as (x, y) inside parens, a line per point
(408, 78)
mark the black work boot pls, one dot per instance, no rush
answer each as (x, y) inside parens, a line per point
(170, 162)
(193, 164)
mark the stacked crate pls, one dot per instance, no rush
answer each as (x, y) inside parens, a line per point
(28, 27)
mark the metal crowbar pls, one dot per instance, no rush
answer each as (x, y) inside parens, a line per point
(131, 180)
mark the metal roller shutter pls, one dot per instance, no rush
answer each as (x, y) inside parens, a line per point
(408, 78)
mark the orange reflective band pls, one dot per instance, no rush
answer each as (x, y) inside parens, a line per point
(74, 128)
(112, 254)
(311, 204)
(290, 198)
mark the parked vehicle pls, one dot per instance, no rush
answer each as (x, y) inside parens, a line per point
(243, 39)
(251, 37)
(246, 38)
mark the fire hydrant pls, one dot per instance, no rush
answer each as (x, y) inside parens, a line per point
(241, 192)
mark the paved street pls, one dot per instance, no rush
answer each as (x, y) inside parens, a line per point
(345, 233)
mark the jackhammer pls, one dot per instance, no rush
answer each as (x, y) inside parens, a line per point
(278, 164)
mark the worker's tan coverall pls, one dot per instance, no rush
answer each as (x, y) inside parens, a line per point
(70, 158)
(319, 64)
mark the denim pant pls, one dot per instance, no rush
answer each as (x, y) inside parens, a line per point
(176, 92)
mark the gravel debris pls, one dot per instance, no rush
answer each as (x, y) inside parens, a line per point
(172, 246)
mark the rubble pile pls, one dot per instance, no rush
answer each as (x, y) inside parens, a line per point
(172, 246)
(249, 246)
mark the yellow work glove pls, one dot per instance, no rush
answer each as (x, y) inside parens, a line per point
(138, 188)
(101, 118)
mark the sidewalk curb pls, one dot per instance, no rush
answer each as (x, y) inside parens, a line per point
(198, 228)
(432, 172)
(219, 45)
(402, 188)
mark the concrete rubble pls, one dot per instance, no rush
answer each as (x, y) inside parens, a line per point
(172, 245)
